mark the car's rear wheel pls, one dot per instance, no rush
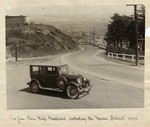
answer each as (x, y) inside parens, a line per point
(72, 91)
(35, 87)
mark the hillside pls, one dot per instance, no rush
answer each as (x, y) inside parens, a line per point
(38, 40)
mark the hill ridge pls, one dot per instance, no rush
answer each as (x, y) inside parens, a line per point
(38, 40)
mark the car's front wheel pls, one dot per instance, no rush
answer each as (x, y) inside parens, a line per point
(35, 87)
(72, 91)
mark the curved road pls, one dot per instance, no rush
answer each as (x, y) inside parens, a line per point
(114, 85)
(88, 61)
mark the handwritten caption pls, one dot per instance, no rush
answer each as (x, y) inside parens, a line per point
(20, 119)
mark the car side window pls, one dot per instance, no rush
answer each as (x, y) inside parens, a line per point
(52, 70)
(49, 70)
(55, 70)
(35, 70)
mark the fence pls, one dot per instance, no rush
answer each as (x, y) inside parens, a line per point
(125, 57)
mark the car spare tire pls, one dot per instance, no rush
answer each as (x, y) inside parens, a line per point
(62, 82)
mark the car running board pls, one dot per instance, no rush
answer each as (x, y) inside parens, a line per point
(53, 89)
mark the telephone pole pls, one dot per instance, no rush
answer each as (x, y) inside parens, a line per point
(16, 51)
(93, 37)
(135, 31)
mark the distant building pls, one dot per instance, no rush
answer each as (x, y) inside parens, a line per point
(16, 21)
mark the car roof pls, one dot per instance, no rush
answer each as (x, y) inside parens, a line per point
(50, 65)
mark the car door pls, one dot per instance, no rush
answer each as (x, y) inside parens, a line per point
(42, 76)
(51, 77)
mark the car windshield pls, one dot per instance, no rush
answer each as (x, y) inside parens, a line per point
(64, 70)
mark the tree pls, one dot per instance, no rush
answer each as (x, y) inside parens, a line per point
(117, 29)
(121, 28)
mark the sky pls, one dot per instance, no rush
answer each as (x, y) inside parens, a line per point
(64, 10)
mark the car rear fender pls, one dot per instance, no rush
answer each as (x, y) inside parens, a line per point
(34, 80)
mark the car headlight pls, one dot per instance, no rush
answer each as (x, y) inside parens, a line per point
(84, 79)
(78, 80)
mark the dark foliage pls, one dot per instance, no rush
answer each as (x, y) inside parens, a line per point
(121, 29)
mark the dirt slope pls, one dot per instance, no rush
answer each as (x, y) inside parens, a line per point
(38, 40)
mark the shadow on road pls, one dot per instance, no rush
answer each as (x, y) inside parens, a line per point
(47, 93)
(52, 93)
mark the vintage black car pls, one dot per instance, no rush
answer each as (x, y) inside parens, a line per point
(57, 78)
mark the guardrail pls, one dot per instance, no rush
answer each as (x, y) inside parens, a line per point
(125, 57)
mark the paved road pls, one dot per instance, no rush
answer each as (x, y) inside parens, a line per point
(87, 60)
(114, 85)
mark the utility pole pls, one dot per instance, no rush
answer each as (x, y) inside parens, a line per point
(135, 31)
(16, 45)
(93, 37)
(16, 51)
